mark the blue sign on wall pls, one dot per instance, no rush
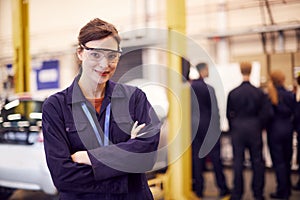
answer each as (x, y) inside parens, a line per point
(47, 77)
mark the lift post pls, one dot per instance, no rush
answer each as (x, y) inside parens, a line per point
(179, 152)
(21, 57)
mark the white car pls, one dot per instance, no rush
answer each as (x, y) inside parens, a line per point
(23, 164)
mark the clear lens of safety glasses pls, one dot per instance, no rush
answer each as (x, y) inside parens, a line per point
(97, 54)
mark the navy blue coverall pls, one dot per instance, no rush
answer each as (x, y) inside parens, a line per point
(208, 112)
(246, 107)
(117, 170)
(280, 138)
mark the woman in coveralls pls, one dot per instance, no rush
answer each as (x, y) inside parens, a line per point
(100, 137)
(280, 133)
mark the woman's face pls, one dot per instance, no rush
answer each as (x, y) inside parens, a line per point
(99, 59)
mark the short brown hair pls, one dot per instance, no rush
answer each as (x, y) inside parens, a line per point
(246, 68)
(97, 29)
(201, 66)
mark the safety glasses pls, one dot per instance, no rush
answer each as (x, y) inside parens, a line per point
(98, 54)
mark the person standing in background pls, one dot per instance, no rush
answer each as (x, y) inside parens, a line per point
(209, 115)
(280, 133)
(247, 112)
(297, 128)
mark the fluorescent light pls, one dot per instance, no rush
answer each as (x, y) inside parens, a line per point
(34, 128)
(6, 124)
(12, 104)
(39, 123)
(14, 117)
(23, 123)
(35, 115)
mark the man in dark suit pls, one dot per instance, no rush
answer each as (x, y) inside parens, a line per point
(205, 121)
(245, 105)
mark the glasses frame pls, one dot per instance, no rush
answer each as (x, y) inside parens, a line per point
(101, 49)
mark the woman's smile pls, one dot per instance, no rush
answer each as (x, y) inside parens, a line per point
(101, 72)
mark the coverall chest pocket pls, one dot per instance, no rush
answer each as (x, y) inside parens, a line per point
(73, 130)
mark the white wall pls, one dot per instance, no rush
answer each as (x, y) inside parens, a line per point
(54, 24)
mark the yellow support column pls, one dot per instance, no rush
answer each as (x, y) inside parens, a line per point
(21, 61)
(178, 186)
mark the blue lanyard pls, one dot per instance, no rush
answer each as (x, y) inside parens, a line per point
(106, 125)
(92, 122)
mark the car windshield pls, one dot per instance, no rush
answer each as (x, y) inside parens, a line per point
(20, 121)
(22, 110)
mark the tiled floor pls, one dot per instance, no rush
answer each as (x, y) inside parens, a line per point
(211, 192)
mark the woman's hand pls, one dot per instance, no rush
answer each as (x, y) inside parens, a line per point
(81, 157)
(135, 129)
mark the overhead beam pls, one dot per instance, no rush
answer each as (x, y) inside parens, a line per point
(255, 30)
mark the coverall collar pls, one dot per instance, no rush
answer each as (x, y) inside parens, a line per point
(112, 89)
